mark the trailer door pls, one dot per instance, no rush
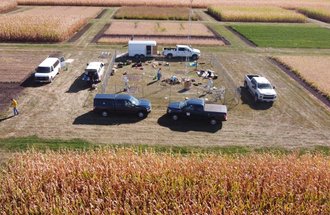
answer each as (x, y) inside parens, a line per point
(148, 50)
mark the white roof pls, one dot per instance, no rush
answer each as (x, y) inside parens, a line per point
(146, 42)
(48, 62)
(261, 80)
(93, 65)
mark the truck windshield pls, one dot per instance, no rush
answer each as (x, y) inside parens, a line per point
(265, 86)
(134, 101)
(43, 70)
(90, 71)
(183, 104)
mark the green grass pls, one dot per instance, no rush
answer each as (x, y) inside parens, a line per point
(33, 142)
(286, 36)
(39, 144)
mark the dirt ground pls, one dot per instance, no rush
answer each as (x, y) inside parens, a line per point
(63, 109)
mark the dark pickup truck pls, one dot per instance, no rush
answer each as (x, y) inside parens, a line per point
(197, 109)
(121, 104)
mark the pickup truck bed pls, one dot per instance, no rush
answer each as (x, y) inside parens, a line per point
(215, 108)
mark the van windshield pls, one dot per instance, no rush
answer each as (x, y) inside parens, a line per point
(43, 70)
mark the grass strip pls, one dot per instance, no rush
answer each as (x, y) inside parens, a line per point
(22, 144)
(285, 36)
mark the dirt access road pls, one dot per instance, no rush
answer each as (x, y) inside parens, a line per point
(62, 109)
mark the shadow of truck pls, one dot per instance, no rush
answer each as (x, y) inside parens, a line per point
(185, 125)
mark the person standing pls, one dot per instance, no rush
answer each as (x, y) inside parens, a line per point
(14, 105)
(125, 80)
(209, 85)
(159, 74)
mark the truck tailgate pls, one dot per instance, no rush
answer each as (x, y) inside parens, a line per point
(215, 108)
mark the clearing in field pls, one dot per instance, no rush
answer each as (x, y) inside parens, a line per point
(44, 24)
(312, 69)
(104, 182)
(7, 5)
(285, 36)
(15, 68)
(162, 32)
(157, 13)
(319, 13)
(143, 82)
(255, 14)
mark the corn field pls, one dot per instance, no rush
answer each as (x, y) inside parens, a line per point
(6, 5)
(322, 14)
(255, 14)
(159, 13)
(44, 24)
(176, 3)
(104, 182)
(25, 28)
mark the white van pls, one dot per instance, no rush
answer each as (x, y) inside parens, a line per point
(47, 70)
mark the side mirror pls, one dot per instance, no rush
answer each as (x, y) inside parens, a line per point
(102, 64)
(87, 64)
(274, 87)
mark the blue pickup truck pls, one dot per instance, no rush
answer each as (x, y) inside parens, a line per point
(106, 104)
(198, 110)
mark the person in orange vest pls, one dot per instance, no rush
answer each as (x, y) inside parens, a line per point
(14, 105)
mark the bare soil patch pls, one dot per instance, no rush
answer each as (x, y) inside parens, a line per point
(8, 91)
(17, 66)
(165, 32)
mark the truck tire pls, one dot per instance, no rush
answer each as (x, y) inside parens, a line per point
(175, 117)
(194, 56)
(213, 121)
(169, 56)
(142, 56)
(141, 114)
(256, 100)
(104, 113)
(137, 56)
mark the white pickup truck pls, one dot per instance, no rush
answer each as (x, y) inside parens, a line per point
(182, 51)
(260, 88)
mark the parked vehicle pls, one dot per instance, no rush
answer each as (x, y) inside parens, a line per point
(93, 72)
(106, 104)
(198, 110)
(48, 69)
(141, 49)
(182, 51)
(260, 88)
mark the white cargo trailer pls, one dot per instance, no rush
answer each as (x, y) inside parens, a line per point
(142, 48)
